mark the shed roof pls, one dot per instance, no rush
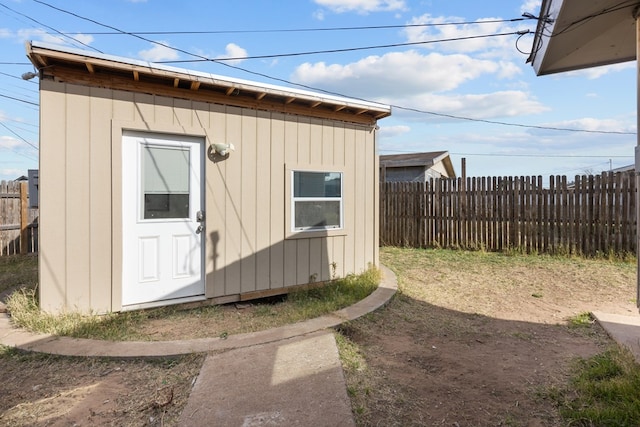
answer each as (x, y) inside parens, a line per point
(96, 69)
(577, 34)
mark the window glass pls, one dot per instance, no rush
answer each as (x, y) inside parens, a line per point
(317, 200)
(165, 182)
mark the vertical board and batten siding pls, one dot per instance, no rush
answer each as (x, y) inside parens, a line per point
(246, 196)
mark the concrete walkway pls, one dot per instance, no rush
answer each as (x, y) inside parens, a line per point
(625, 330)
(289, 375)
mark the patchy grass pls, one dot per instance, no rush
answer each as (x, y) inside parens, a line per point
(604, 391)
(18, 271)
(43, 389)
(471, 336)
(581, 320)
(175, 322)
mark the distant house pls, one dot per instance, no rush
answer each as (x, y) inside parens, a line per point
(416, 167)
(627, 168)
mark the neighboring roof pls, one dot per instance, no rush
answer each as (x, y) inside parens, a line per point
(418, 159)
(581, 34)
(628, 168)
(96, 69)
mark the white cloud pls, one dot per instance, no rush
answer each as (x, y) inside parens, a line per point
(395, 74)
(232, 50)
(531, 6)
(473, 35)
(362, 6)
(9, 142)
(594, 124)
(23, 35)
(475, 106)
(596, 72)
(159, 52)
(7, 174)
(393, 131)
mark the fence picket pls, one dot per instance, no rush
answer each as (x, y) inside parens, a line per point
(593, 214)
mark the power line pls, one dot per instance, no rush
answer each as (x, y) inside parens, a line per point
(352, 49)
(18, 136)
(19, 100)
(529, 155)
(46, 26)
(203, 58)
(495, 122)
(294, 30)
(544, 156)
(19, 78)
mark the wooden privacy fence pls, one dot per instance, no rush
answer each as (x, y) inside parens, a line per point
(593, 214)
(18, 223)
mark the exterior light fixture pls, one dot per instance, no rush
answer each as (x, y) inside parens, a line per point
(29, 75)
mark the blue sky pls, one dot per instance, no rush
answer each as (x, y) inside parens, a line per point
(431, 83)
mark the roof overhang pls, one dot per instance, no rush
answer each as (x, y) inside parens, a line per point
(582, 34)
(95, 69)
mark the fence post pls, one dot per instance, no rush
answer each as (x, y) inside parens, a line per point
(24, 218)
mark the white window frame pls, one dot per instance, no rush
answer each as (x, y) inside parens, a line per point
(295, 199)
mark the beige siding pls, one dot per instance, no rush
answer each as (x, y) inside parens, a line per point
(53, 193)
(249, 246)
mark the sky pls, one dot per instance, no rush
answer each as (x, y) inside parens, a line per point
(461, 86)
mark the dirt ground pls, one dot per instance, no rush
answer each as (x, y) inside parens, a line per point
(464, 343)
(480, 344)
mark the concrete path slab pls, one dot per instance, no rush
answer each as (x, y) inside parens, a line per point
(292, 382)
(286, 376)
(625, 330)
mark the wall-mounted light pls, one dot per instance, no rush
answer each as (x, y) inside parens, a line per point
(223, 149)
(29, 75)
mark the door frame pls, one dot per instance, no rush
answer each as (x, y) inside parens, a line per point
(124, 131)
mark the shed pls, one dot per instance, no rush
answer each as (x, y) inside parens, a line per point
(416, 167)
(144, 201)
(576, 34)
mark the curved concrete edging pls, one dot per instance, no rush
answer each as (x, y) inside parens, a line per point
(43, 343)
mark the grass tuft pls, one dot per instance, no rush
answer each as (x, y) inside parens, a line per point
(137, 325)
(582, 320)
(604, 391)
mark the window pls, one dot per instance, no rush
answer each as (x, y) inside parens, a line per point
(165, 183)
(317, 200)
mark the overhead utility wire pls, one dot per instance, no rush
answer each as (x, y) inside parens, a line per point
(46, 26)
(20, 100)
(494, 122)
(521, 155)
(306, 86)
(299, 30)
(20, 137)
(352, 49)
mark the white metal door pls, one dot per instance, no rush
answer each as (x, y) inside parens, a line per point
(162, 219)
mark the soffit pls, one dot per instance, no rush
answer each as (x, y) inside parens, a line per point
(582, 34)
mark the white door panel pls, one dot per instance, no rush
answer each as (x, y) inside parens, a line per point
(162, 241)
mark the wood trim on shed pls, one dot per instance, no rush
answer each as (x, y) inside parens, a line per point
(89, 69)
